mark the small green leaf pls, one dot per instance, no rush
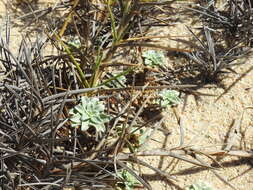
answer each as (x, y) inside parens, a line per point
(84, 126)
(144, 136)
(75, 118)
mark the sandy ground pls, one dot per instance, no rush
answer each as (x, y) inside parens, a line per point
(206, 123)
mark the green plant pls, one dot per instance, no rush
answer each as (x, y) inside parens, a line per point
(153, 58)
(117, 80)
(80, 71)
(74, 43)
(128, 180)
(140, 137)
(199, 186)
(137, 137)
(119, 28)
(89, 113)
(168, 98)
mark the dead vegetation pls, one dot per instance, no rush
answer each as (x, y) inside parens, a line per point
(97, 43)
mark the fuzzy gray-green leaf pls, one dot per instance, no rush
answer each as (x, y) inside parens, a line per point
(89, 113)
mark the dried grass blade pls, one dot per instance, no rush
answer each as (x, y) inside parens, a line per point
(233, 133)
(72, 92)
(197, 39)
(153, 46)
(239, 153)
(211, 47)
(162, 152)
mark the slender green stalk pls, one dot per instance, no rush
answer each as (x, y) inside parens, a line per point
(117, 76)
(113, 25)
(130, 9)
(96, 70)
(72, 58)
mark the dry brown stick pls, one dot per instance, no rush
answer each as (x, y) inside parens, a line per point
(179, 154)
(178, 87)
(148, 45)
(233, 133)
(239, 153)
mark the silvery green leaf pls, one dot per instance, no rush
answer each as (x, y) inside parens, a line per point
(148, 62)
(75, 124)
(94, 101)
(95, 120)
(84, 117)
(145, 135)
(100, 107)
(84, 126)
(75, 118)
(79, 108)
(83, 100)
(71, 111)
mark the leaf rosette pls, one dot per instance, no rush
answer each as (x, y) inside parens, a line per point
(89, 113)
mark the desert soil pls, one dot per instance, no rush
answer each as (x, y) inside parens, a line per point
(206, 123)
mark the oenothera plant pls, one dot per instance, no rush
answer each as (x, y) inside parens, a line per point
(74, 43)
(200, 186)
(116, 80)
(128, 181)
(153, 58)
(90, 112)
(168, 98)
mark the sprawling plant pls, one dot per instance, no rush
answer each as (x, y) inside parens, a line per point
(128, 181)
(199, 186)
(74, 43)
(153, 58)
(89, 113)
(168, 98)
